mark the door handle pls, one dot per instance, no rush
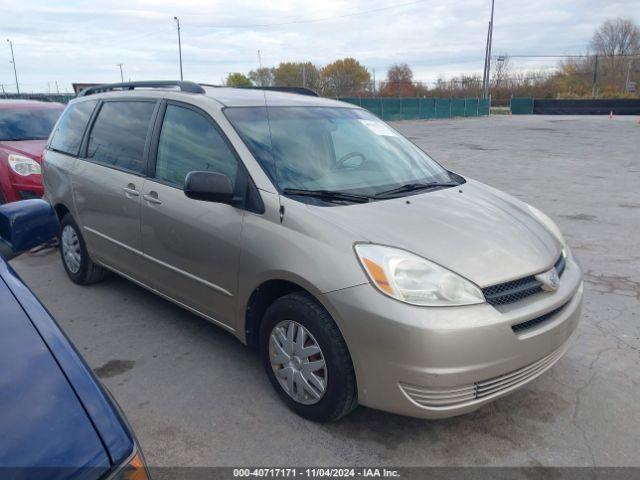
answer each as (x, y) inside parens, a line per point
(152, 197)
(130, 191)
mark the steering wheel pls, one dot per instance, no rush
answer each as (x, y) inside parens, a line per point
(340, 164)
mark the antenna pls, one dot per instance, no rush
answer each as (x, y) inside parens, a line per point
(275, 161)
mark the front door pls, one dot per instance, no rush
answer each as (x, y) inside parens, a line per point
(191, 247)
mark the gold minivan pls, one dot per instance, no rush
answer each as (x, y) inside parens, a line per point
(364, 271)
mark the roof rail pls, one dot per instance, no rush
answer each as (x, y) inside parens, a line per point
(189, 87)
(298, 90)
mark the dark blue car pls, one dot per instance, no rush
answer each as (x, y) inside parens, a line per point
(56, 420)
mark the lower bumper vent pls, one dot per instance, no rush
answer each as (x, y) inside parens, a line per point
(453, 396)
(519, 327)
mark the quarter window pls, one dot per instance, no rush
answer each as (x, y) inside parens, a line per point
(68, 134)
(190, 142)
(119, 135)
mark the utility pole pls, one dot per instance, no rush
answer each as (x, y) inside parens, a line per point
(486, 51)
(488, 82)
(374, 82)
(121, 76)
(595, 78)
(13, 60)
(626, 83)
(179, 46)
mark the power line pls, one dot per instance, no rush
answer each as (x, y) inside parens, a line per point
(573, 55)
(314, 20)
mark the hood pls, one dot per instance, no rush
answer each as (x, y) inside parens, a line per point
(484, 235)
(29, 148)
(43, 423)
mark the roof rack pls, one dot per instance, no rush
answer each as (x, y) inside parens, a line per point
(298, 90)
(189, 87)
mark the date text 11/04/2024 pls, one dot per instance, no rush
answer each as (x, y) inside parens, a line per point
(316, 472)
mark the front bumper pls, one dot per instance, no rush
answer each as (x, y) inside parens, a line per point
(439, 362)
(15, 187)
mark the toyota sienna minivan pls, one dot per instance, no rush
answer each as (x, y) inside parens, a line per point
(364, 271)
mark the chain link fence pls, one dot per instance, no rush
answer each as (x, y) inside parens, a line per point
(414, 108)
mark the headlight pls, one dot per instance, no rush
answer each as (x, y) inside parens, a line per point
(413, 279)
(23, 165)
(548, 223)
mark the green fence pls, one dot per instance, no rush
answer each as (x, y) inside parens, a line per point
(391, 108)
(522, 106)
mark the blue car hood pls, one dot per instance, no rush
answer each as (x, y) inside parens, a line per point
(43, 424)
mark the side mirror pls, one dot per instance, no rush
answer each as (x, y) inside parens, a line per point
(25, 225)
(209, 187)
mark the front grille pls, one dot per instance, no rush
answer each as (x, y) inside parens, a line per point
(515, 290)
(451, 396)
(519, 327)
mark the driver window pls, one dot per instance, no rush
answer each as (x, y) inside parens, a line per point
(190, 142)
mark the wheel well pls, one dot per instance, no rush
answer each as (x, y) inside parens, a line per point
(261, 298)
(61, 211)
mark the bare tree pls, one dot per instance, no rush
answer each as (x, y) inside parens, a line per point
(399, 81)
(612, 40)
(501, 71)
(616, 37)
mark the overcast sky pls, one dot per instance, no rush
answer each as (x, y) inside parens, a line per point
(75, 41)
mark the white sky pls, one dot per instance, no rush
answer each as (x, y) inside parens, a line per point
(83, 41)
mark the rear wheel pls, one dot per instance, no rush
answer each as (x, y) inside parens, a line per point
(306, 358)
(75, 258)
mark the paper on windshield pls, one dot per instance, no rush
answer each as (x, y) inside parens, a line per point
(379, 128)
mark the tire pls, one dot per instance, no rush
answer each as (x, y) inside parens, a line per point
(340, 393)
(85, 272)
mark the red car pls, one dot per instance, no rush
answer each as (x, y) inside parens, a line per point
(25, 126)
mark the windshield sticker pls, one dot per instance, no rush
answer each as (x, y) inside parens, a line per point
(378, 128)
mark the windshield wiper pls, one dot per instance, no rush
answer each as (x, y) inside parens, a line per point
(412, 187)
(328, 195)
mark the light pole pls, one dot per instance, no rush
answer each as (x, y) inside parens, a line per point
(13, 60)
(626, 83)
(179, 45)
(121, 76)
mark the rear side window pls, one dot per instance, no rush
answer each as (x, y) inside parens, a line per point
(190, 142)
(119, 135)
(67, 136)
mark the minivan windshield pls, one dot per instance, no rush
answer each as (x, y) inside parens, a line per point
(18, 124)
(333, 149)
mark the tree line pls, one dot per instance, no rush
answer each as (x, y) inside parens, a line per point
(610, 68)
(342, 77)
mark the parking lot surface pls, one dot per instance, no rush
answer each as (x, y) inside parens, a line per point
(197, 397)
